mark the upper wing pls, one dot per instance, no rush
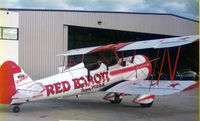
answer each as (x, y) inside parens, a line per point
(161, 43)
(157, 43)
(80, 51)
(143, 87)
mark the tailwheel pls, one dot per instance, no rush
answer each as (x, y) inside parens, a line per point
(117, 99)
(146, 105)
(16, 109)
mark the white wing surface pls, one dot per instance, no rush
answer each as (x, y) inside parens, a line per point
(80, 51)
(143, 87)
(161, 43)
(147, 44)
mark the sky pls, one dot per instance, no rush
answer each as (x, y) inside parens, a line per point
(185, 8)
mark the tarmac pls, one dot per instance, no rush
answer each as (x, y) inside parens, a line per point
(91, 107)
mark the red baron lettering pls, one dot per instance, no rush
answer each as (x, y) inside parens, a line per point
(90, 81)
(85, 82)
(49, 89)
(86, 90)
(57, 87)
(99, 78)
(93, 87)
(61, 87)
(77, 84)
(96, 79)
(64, 86)
(103, 75)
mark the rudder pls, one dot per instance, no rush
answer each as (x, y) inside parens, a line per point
(7, 84)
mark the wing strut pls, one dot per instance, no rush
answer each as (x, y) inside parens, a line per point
(154, 69)
(134, 53)
(116, 55)
(69, 63)
(63, 64)
(74, 62)
(122, 57)
(175, 65)
(172, 74)
(161, 66)
(107, 61)
(82, 59)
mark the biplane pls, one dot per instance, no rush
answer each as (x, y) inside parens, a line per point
(126, 76)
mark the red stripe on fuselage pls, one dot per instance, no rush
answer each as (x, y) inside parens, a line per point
(128, 69)
(146, 64)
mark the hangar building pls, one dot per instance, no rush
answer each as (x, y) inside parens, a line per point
(43, 34)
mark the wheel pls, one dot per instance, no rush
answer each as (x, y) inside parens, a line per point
(117, 100)
(16, 109)
(146, 105)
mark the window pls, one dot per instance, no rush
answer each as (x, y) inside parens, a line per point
(8, 33)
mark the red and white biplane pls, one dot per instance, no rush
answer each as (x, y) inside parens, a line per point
(127, 76)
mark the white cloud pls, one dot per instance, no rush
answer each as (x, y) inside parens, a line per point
(130, 6)
(180, 6)
(10, 1)
(68, 7)
(11, 4)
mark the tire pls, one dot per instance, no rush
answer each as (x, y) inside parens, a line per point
(117, 100)
(16, 109)
(146, 105)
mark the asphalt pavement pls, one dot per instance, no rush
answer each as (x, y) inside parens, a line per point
(91, 107)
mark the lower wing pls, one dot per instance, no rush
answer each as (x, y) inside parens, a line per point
(165, 87)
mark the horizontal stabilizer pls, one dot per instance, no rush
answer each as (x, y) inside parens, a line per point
(34, 90)
(165, 87)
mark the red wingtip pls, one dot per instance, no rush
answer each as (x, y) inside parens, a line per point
(196, 40)
(196, 85)
(7, 84)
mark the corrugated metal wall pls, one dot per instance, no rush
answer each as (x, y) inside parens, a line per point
(40, 40)
(43, 34)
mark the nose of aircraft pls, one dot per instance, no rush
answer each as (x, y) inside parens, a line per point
(144, 60)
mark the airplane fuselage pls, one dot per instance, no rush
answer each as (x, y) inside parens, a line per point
(78, 80)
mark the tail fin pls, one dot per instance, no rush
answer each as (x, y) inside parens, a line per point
(7, 84)
(21, 79)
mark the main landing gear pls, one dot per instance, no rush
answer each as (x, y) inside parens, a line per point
(16, 109)
(145, 100)
(114, 98)
(148, 105)
(117, 99)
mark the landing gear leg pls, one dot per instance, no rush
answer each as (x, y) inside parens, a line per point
(16, 109)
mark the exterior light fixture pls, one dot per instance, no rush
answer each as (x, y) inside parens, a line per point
(99, 22)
